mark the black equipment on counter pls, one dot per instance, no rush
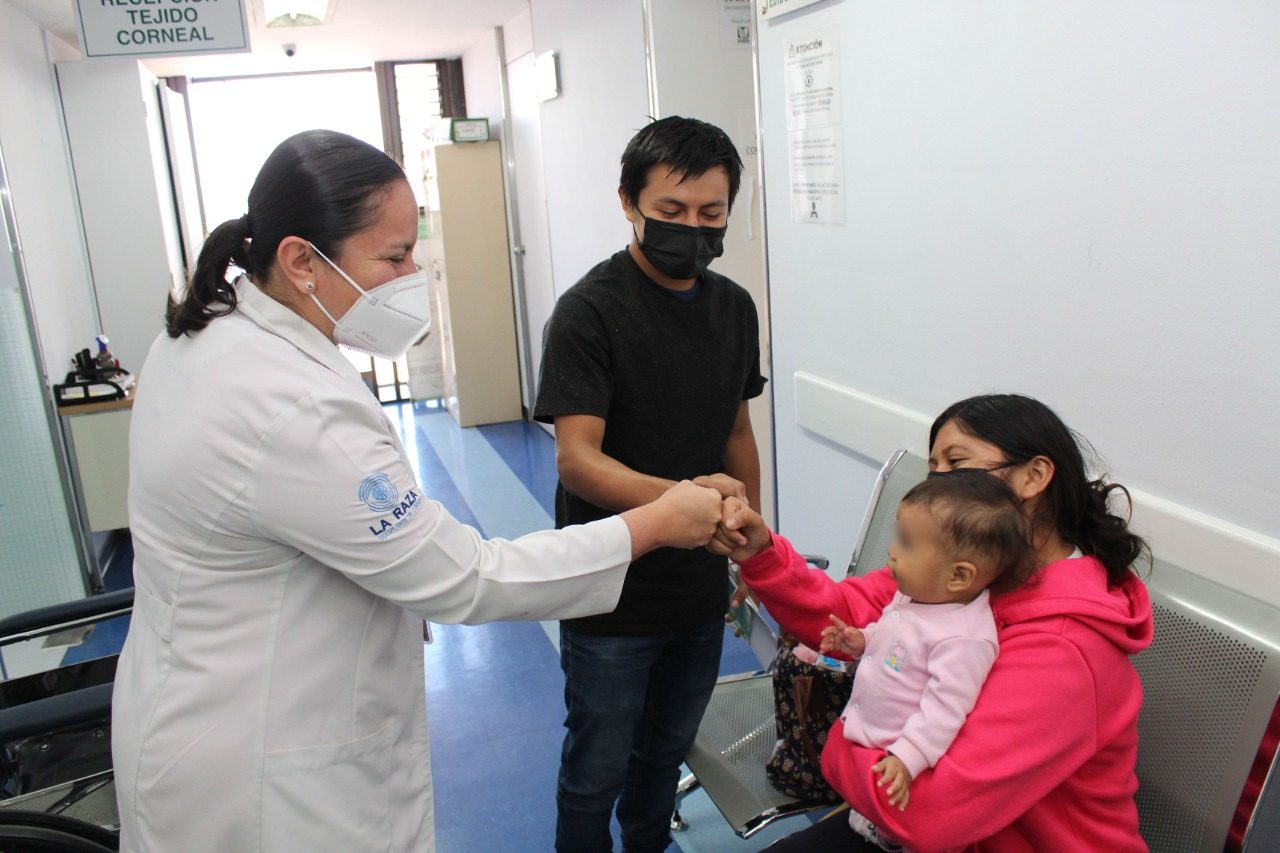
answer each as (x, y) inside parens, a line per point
(95, 379)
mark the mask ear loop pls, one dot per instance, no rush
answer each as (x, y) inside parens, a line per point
(339, 271)
(323, 310)
(634, 232)
(311, 286)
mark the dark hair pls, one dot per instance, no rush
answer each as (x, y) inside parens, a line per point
(319, 185)
(981, 521)
(1076, 506)
(688, 146)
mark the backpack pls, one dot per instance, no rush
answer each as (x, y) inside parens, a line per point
(807, 699)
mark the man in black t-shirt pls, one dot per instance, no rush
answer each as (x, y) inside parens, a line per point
(647, 367)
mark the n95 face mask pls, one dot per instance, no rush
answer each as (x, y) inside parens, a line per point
(386, 320)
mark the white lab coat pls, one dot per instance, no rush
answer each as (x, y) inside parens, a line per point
(270, 694)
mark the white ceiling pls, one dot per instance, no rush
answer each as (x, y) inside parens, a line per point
(359, 33)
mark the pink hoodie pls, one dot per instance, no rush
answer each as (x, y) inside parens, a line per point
(1045, 760)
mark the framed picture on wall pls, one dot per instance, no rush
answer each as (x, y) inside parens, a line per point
(469, 130)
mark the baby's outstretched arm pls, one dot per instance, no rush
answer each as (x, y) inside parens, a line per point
(896, 775)
(839, 637)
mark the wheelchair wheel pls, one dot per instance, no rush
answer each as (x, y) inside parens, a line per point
(40, 832)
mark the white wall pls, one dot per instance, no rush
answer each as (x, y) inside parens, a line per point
(603, 101)
(700, 75)
(1079, 201)
(112, 114)
(482, 82)
(44, 201)
(531, 261)
(517, 36)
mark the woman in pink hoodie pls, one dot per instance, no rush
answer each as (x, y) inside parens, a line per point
(1045, 760)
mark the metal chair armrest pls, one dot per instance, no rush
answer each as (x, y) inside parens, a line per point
(56, 712)
(59, 617)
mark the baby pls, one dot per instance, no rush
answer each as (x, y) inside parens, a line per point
(923, 662)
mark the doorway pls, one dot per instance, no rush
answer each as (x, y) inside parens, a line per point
(272, 108)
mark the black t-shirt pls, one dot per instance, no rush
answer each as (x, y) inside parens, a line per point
(667, 375)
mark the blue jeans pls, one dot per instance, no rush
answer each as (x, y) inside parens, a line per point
(634, 704)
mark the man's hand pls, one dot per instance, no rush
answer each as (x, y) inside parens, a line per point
(741, 593)
(724, 484)
(894, 774)
(839, 637)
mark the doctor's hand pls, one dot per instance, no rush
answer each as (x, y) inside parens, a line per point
(685, 516)
(742, 532)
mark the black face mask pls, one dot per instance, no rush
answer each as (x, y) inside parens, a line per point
(680, 251)
(967, 471)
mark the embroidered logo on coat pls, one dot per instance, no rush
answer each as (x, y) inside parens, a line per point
(400, 514)
(897, 657)
(379, 493)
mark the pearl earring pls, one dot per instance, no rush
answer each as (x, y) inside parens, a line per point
(311, 285)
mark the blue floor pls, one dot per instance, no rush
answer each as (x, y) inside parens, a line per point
(107, 636)
(495, 692)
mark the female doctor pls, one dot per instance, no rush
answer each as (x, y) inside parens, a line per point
(270, 694)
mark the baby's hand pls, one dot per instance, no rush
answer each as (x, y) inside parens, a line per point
(742, 533)
(839, 637)
(896, 775)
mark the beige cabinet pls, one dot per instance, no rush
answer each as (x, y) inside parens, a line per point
(468, 260)
(97, 436)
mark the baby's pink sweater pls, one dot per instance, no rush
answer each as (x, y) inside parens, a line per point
(919, 676)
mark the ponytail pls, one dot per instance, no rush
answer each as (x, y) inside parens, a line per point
(1106, 535)
(319, 185)
(209, 294)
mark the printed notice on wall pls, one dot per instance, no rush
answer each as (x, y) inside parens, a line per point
(814, 151)
(813, 79)
(770, 9)
(817, 176)
(735, 24)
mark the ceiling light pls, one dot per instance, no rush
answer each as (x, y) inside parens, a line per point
(296, 13)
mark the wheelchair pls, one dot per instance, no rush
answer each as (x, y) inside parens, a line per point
(57, 790)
